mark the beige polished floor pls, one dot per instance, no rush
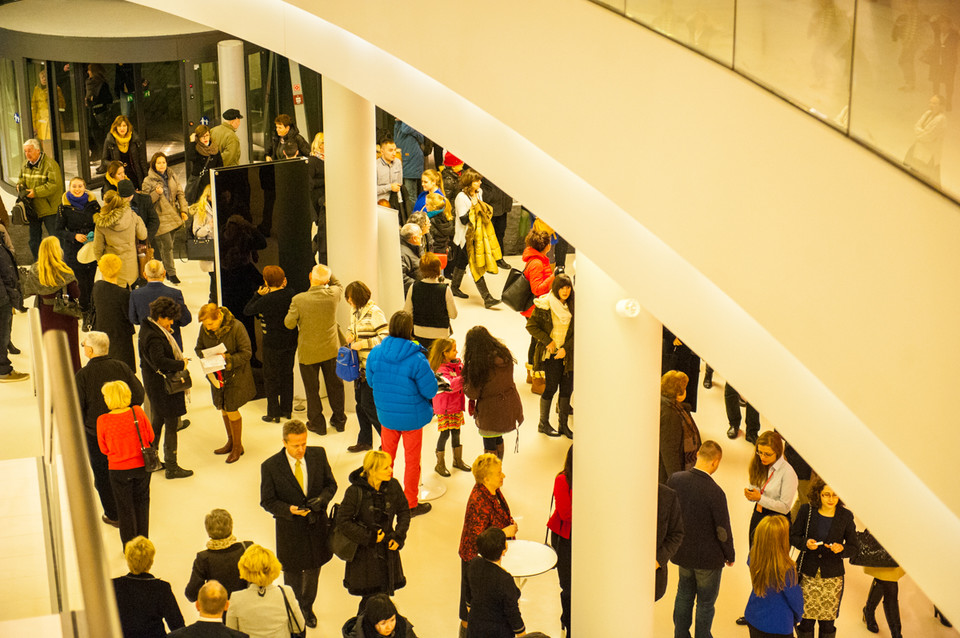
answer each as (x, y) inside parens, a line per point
(430, 555)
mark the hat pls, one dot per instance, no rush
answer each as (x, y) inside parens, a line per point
(232, 114)
(125, 188)
(451, 160)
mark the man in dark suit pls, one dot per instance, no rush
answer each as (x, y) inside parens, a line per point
(296, 484)
(100, 369)
(211, 603)
(669, 535)
(707, 541)
(494, 596)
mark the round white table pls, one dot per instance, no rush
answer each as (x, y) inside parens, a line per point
(527, 558)
(431, 488)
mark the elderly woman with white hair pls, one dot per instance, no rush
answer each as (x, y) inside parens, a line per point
(101, 368)
(260, 610)
(410, 239)
(219, 560)
(144, 601)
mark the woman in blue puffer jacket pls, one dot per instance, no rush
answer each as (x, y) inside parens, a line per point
(403, 389)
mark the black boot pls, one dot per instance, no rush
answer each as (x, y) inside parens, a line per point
(708, 378)
(564, 403)
(499, 451)
(455, 282)
(544, 426)
(891, 610)
(870, 609)
(489, 301)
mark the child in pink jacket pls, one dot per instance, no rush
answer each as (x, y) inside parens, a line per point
(448, 403)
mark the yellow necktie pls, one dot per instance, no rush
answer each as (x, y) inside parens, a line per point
(298, 474)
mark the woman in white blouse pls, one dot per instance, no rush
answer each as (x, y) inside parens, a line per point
(772, 479)
(263, 610)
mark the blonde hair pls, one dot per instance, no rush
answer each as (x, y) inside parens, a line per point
(50, 265)
(208, 311)
(259, 566)
(139, 553)
(673, 383)
(435, 201)
(484, 466)
(110, 265)
(317, 142)
(375, 460)
(111, 201)
(116, 394)
(202, 206)
(770, 564)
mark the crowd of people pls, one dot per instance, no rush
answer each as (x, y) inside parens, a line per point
(410, 372)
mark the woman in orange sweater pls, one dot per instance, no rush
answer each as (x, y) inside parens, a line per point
(122, 434)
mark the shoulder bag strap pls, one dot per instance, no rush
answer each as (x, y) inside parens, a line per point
(136, 425)
(291, 619)
(546, 534)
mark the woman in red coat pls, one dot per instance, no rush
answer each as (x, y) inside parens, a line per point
(122, 433)
(486, 507)
(560, 525)
(540, 275)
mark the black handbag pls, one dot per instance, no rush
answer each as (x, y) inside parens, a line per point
(178, 381)
(872, 553)
(23, 213)
(344, 548)
(89, 318)
(151, 456)
(199, 248)
(67, 306)
(292, 619)
(517, 294)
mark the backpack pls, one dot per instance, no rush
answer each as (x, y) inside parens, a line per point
(348, 364)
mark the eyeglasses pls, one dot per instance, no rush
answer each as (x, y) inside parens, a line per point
(766, 455)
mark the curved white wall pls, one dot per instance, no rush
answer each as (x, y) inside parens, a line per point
(813, 274)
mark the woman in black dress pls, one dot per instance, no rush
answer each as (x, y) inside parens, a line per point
(74, 227)
(271, 304)
(112, 304)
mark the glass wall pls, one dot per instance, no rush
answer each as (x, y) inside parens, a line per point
(882, 71)
(161, 99)
(11, 137)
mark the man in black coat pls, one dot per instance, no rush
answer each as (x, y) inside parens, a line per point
(707, 540)
(100, 369)
(296, 484)
(211, 604)
(10, 298)
(494, 596)
(669, 535)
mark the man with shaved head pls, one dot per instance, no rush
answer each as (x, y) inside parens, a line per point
(314, 312)
(211, 603)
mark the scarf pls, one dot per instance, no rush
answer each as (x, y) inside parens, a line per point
(166, 185)
(112, 180)
(177, 353)
(561, 319)
(221, 543)
(123, 143)
(78, 202)
(206, 150)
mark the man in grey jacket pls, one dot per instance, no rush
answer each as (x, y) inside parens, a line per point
(314, 312)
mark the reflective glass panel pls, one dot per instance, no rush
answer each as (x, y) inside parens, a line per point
(705, 25)
(161, 95)
(11, 137)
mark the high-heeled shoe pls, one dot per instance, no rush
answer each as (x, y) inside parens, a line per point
(943, 619)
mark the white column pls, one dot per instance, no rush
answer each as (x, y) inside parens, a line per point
(232, 80)
(351, 182)
(617, 402)
(388, 251)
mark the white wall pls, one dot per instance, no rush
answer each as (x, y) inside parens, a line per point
(809, 271)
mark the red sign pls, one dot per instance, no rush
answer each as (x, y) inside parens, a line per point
(296, 88)
(298, 98)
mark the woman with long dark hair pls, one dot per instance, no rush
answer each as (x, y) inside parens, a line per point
(474, 238)
(825, 534)
(488, 383)
(123, 145)
(560, 525)
(551, 324)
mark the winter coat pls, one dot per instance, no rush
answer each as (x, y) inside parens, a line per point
(142, 205)
(450, 402)
(276, 144)
(679, 442)
(238, 385)
(314, 311)
(538, 272)
(540, 325)
(375, 568)
(73, 222)
(117, 232)
(112, 304)
(225, 138)
(441, 230)
(136, 168)
(90, 379)
(354, 628)
(409, 264)
(408, 142)
(10, 293)
(483, 249)
(46, 181)
(157, 354)
(219, 565)
(168, 210)
(498, 408)
(403, 384)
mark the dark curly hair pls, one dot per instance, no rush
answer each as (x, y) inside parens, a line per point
(164, 308)
(816, 486)
(480, 352)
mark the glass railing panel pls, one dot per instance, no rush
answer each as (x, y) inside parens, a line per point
(620, 6)
(704, 25)
(801, 51)
(903, 99)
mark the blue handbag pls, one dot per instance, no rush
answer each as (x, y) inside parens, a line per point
(348, 364)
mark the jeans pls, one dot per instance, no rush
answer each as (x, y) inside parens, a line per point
(702, 586)
(412, 445)
(6, 326)
(366, 412)
(36, 232)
